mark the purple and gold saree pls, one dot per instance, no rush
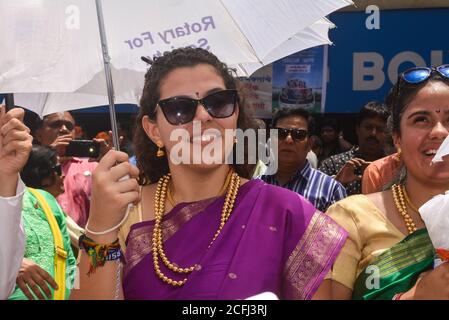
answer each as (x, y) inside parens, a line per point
(274, 241)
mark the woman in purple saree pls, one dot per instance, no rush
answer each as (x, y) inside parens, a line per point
(203, 231)
(284, 246)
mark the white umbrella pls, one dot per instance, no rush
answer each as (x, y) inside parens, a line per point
(130, 85)
(56, 47)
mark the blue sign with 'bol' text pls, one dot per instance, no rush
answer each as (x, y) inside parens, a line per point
(367, 57)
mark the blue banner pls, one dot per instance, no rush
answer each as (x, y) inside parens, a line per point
(364, 62)
(119, 108)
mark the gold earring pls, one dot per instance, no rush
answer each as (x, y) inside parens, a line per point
(399, 155)
(160, 153)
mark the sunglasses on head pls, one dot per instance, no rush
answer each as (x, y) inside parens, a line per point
(295, 134)
(420, 74)
(182, 110)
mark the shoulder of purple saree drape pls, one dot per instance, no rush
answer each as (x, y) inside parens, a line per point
(313, 256)
(139, 240)
(289, 240)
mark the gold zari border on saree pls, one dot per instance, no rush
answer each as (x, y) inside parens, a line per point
(141, 239)
(311, 255)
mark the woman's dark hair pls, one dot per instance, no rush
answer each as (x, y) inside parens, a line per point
(40, 165)
(402, 94)
(151, 167)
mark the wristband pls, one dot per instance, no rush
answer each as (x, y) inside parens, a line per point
(99, 254)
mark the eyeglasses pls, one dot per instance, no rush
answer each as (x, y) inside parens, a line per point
(182, 110)
(295, 134)
(59, 123)
(57, 169)
(420, 74)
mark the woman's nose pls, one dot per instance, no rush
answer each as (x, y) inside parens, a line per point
(439, 131)
(202, 114)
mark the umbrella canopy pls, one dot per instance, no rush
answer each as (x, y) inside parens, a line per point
(129, 84)
(54, 46)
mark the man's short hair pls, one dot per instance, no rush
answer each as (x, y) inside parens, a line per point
(298, 112)
(330, 122)
(371, 110)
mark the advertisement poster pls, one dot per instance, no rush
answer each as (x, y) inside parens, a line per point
(298, 80)
(259, 91)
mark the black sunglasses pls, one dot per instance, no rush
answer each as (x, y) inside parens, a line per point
(420, 74)
(58, 124)
(182, 110)
(296, 134)
(57, 169)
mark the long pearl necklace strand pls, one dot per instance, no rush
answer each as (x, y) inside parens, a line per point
(159, 209)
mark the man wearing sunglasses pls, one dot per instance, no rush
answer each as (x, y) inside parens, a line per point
(348, 167)
(294, 170)
(56, 130)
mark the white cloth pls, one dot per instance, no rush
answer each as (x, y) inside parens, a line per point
(313, 159)
(12, 240)
(435, 217)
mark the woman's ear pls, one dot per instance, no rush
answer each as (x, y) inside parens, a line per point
(397, 141)
(151, 129)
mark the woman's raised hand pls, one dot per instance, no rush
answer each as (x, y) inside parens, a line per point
(15, 147)
(112, 191)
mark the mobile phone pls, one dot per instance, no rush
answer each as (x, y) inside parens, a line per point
(83, 149)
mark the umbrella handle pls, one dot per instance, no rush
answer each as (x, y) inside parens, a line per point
(9, 101)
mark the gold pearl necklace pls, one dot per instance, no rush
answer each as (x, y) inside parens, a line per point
(399, 196)
(171, 199)
(159, 209)
(407, 199)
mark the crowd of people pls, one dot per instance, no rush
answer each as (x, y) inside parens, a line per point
(143, 226)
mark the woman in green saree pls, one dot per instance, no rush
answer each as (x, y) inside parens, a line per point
(48, 266)
(388, 254)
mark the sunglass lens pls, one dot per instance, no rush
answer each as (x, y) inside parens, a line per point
(299, 134)
(282, 133)
(221, 104)
(444, 70)
(178, 111)
(416, 75)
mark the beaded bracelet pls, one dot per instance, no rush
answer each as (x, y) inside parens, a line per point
(99, 254)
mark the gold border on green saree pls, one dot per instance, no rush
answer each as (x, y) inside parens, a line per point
(397, 269)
